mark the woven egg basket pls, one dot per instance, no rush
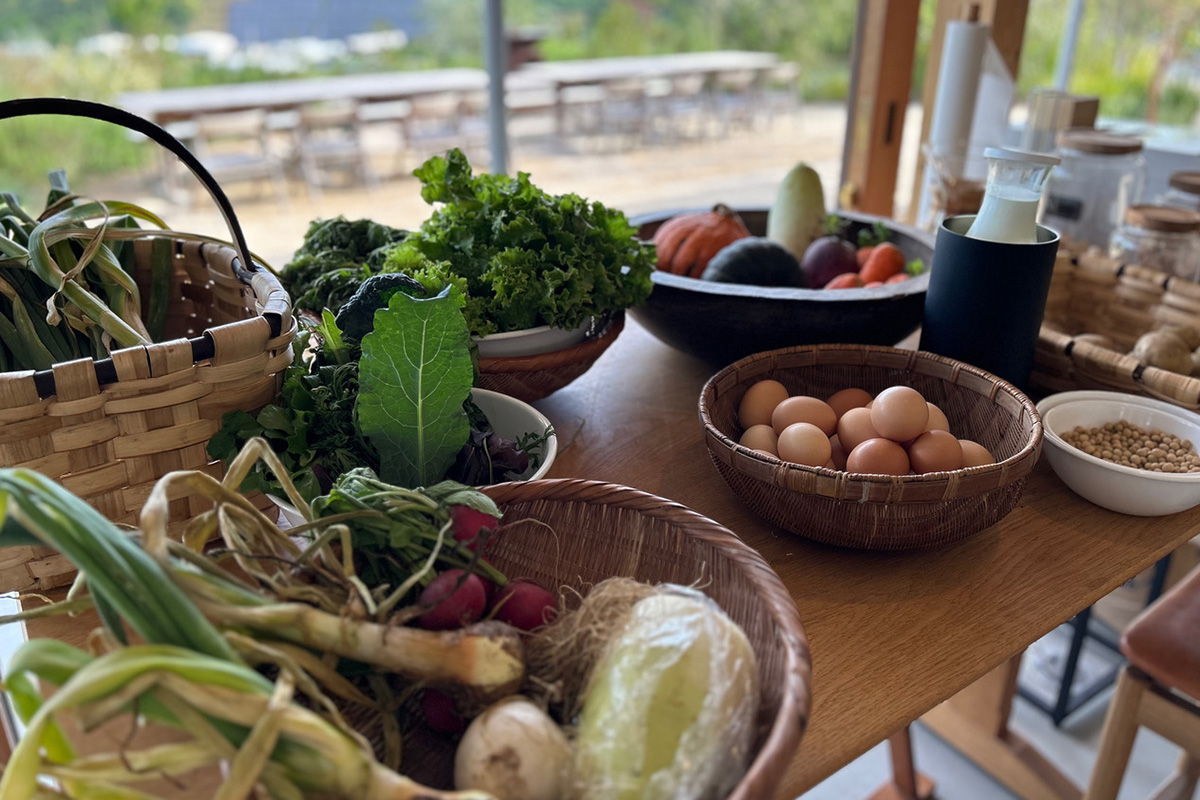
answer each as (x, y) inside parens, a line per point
(1092, 293)
(877, 512)
(604, 530)
(530, 378)
(108, 430)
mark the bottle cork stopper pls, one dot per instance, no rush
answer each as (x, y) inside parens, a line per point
(973, 12)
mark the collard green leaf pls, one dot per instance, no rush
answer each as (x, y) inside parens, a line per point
(414, 375)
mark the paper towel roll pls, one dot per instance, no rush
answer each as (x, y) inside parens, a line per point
(963, 52)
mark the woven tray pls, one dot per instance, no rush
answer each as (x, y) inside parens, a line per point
(877, 512)
(1096, 294)
(531, 378)
(108, 430)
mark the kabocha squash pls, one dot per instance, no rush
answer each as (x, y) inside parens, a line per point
(758, 261)
(687, 242)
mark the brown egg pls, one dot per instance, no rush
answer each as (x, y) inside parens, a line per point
(760, 437)
(878, 457)
(975, 454)
(830, 465)
(900, 413)
(846, 399)
(804, 409)
(759, 401)
(855, 427)
(935, 451)
(839, 452)
(804, 443)
(937, 420)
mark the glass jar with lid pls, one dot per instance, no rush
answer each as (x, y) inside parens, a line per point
(1184, 191)
(1101, 175)
(1159, 237)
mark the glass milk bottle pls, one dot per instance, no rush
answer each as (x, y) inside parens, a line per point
(1010, 202)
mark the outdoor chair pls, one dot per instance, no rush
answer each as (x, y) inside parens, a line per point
(679, 106)
(437, 122)
(236, 148)
(782, 90)
(737, 99)
(623, 114)
(329, 139)
(1159, 689)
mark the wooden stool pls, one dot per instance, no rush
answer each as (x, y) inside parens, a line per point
(1159, 689)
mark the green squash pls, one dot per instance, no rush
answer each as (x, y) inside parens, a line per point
(758, 261)
(797, 217)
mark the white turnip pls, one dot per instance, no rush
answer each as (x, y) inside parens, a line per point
(514, 751)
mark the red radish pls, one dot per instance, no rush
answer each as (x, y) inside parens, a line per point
(525, 605)
(469, 524)
(441, 712)
(451, 608)
(899, 277)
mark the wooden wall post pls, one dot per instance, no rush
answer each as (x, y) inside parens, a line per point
(883, 61)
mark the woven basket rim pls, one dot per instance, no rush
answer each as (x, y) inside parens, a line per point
(607, 330)
(1002, 473)
(769, 765)
(269, 295)
(1100, 364)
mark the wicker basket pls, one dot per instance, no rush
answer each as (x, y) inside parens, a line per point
(607, 530)
(877, 512)
(531, 378)
(108, 430)
(1095, 294)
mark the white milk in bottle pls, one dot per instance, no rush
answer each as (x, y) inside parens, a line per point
(1010, 202)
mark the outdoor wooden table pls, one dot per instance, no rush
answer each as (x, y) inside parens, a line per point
(566, 75)
(599, 70)
(171, 105)
(892, 634)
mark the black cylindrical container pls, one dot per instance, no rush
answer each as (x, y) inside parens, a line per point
(985, 300)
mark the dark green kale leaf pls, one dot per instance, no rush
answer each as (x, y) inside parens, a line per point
(336, 256)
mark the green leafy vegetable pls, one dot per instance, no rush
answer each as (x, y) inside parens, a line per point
(337, 255)
(414, 376)
(523, 258)
(915, 267)
(875, 235)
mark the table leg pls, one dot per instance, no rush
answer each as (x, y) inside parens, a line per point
(906, 783)
(975, 722)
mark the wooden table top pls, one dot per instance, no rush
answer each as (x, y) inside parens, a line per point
(891, 634)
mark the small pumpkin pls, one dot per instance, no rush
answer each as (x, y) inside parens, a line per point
(758, 261)
(685, 243)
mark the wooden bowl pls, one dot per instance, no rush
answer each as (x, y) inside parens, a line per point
(721, 322)
(604, 530)
(530, 378)
(877, 512)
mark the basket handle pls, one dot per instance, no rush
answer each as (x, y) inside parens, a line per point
(67, 107)
(244, 267)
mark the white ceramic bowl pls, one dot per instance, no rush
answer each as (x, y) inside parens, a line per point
(510, 418)
(1122, 489)
(531, 341)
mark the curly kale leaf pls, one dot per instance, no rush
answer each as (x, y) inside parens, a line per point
(526, 258)
(337, 255)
